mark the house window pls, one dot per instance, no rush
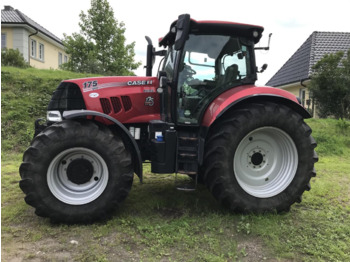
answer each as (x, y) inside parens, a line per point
(41, 52)
(60, 58)
(65, 59)
(3, 41)
(302, 93)
(33, 48)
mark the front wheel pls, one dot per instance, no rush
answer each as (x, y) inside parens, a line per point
(77, 176)
(259, 158)
(76, 172)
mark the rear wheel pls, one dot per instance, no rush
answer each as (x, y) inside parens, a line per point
(76, 171)
(265, 162)
(259, 158)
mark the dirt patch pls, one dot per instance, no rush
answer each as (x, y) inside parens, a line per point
(49, 249)
(16, 250)
(170, 213)
(252, 250)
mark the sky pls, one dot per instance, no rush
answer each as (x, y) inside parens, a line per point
(290, 22)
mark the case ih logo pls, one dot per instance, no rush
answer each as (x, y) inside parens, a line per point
(149, 101)
(140, 83)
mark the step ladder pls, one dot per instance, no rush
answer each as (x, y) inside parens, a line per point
(187, 160)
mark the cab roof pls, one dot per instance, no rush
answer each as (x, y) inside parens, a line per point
(208, 27)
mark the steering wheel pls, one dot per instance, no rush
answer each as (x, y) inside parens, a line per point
(189, 70)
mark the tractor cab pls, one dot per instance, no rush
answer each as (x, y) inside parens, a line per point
(203, 60)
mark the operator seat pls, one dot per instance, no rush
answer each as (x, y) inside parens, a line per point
(231, 73)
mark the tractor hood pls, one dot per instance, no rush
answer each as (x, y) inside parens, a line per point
(128, 99)
(101, 84)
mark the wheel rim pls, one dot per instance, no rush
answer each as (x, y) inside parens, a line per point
(77, 176)
(265, 162)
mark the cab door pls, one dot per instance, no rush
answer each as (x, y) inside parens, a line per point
(196, 79)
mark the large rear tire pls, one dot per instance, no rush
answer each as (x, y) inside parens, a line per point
(259, 158)
(76, 172)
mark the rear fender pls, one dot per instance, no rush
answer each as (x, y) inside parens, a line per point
(252, 94)
(126, 136)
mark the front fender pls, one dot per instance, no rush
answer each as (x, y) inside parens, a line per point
(129, 139)
(244, 94)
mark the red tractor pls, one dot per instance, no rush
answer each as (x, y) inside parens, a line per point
(201, 115)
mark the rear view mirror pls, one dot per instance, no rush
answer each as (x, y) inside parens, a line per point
(150, 59)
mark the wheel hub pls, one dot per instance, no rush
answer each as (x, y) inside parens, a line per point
(80, 171)
(256, 158)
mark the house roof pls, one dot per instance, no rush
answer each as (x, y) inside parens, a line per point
(11, 16)
(299, 66)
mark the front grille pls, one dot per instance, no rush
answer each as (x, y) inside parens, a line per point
(126, 103)
(67, 97)
(116, 104)
(106, 105)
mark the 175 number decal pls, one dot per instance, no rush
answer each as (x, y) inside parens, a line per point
(90, 84)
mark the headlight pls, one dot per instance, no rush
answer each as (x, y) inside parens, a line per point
(54, 116)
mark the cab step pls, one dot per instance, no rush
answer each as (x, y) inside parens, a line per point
(188, 185)
(187, 160)
(187, 172)
(186, 188)
(187, 153)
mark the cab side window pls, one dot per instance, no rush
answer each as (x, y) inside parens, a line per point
(169, 64)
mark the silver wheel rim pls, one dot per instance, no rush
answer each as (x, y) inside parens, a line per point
(65, 188)
(265, 162)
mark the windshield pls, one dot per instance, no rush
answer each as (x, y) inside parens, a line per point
(210, 64)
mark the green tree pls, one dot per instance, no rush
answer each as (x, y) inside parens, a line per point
(101, 45)
(330, 85)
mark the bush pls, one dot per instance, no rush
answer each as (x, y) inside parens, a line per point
(343, 125)
(331, 135)
(11, 57)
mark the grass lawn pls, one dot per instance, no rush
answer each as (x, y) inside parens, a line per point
(159, 223)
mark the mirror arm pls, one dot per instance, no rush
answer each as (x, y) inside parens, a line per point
(265, 48)
(160, 53)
